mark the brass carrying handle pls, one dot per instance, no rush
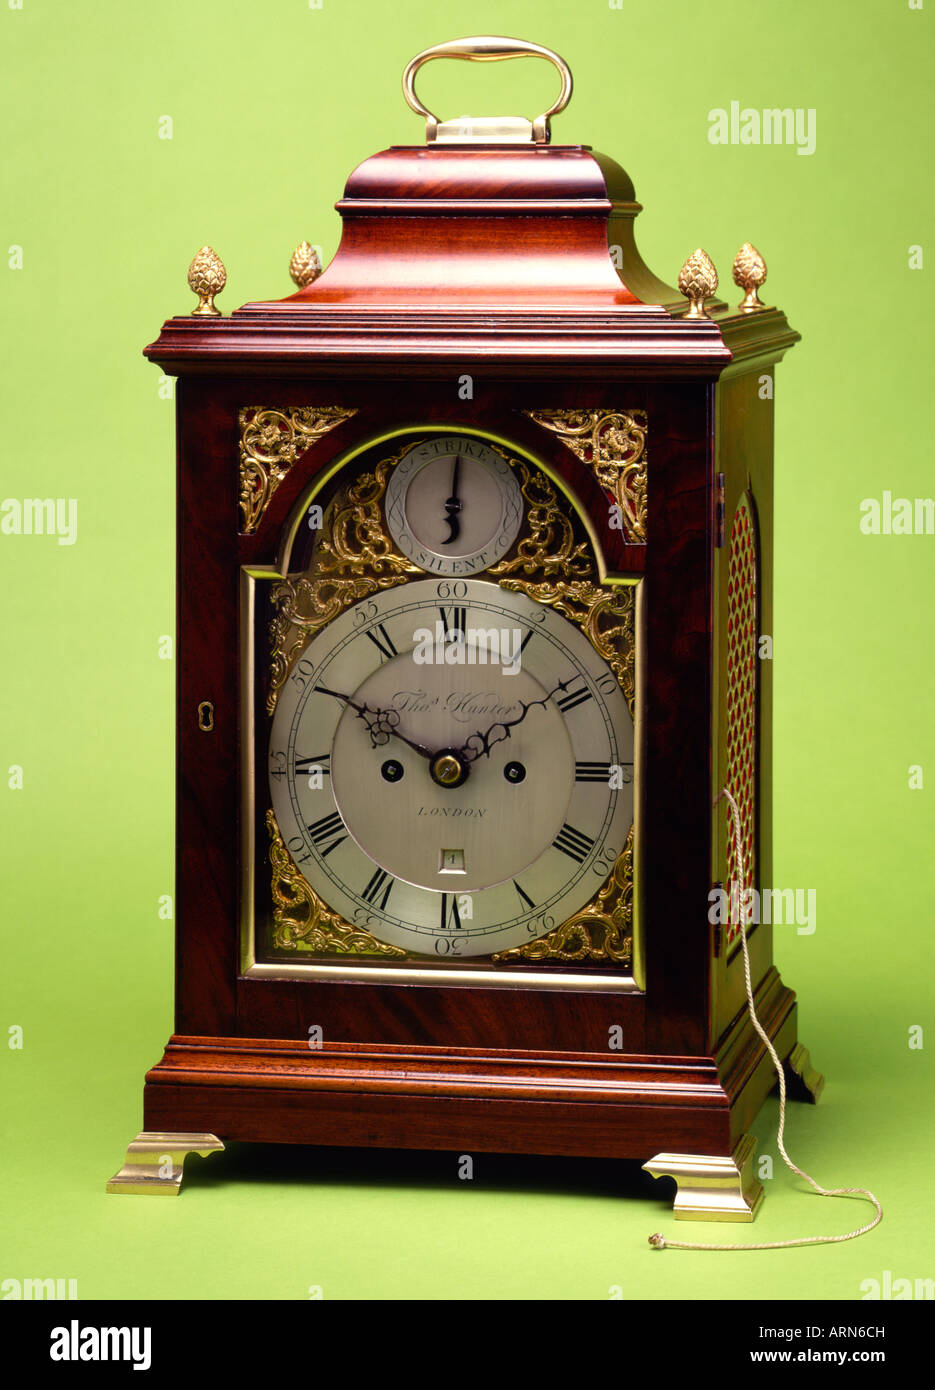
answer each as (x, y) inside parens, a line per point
(487, 48)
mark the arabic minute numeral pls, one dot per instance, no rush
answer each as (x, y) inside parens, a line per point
(365, 612)
(296, 847)
(604, 862)
(302, 673)
(540, 926)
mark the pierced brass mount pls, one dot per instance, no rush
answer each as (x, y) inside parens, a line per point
(601, 931)
(271, 440)
(613, 444)
(301, 917)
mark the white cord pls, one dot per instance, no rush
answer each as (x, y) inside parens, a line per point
(659, 1241)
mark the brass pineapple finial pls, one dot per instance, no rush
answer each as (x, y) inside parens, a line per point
(697, 281)
(749, 274)
(305, 265)
(207, 277)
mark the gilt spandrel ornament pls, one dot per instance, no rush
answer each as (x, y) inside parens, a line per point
(301, 921)
(602, 931)
(271, 441)
(613, 444)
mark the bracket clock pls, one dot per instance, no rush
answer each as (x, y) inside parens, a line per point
(474, 549)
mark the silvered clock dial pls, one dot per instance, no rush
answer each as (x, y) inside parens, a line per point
(451, 767)
(453, 505)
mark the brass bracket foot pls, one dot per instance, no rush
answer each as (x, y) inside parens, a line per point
(803, 1082)
(155, 1160)
(712, 1189)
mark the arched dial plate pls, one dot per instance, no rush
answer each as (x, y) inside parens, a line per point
(521, 699)
(453, 505)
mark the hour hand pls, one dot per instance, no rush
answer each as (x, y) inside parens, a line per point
(453, 507)
(380, 723)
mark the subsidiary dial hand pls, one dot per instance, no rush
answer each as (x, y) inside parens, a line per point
(381, 723)
(453, 505)
(480, 744)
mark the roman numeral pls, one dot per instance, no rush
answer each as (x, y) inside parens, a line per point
(371, 892)
(453, 914)
(592, 772)
(454, 620)
(383, 643)
(305, 765)
(325, 829)
(573, 843)
(524, 897)
(571, 699)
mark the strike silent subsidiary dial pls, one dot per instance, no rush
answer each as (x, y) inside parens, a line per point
(453, 505)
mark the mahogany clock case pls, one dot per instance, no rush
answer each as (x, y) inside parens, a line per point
(670, 1020)
(428, 1064)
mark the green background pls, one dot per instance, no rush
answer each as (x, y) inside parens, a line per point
(272, 105)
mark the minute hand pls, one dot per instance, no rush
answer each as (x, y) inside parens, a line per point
(381, 723)
(480, 744)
